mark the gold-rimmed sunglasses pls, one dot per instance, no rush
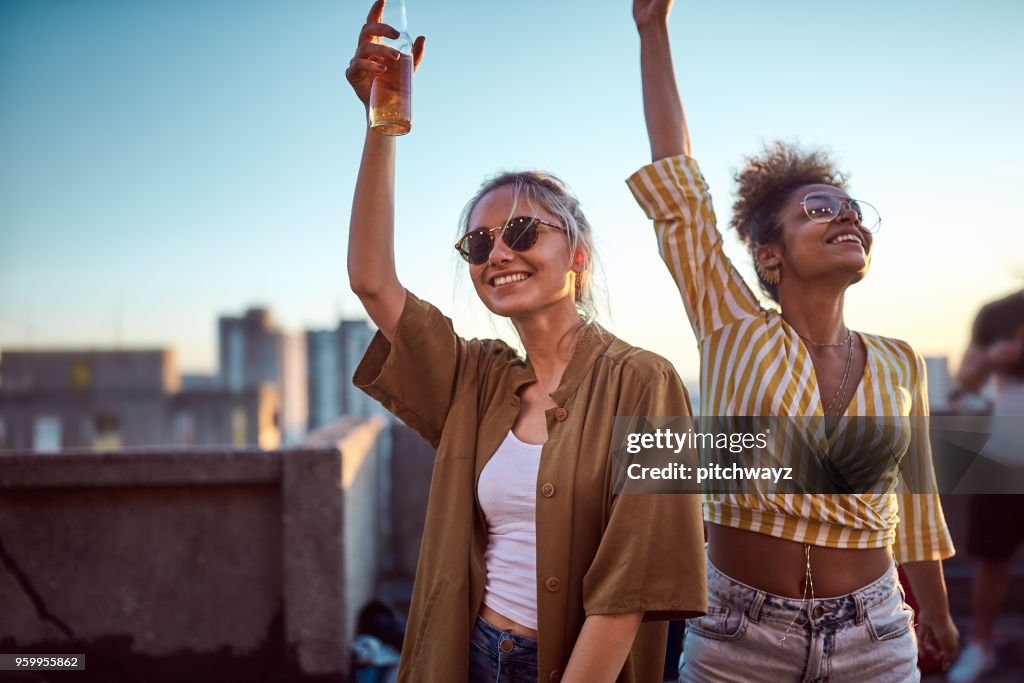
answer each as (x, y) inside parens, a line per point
(519, 234)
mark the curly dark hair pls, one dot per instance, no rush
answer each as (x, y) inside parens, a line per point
(765, 183)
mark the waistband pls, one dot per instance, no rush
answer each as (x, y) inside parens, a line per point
(495, 634)
(759, 604)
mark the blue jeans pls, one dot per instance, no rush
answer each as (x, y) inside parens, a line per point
(497, 656)
(866, 635)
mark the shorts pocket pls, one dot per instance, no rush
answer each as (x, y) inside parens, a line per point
(722, 622)
(890, 619)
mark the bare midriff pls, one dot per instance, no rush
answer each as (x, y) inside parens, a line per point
(503, 623)
(778, 566)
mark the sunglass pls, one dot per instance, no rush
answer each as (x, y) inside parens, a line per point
(519, 234)
(822, 207)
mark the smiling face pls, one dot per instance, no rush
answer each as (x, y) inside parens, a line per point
(518, 284)
(806, 250)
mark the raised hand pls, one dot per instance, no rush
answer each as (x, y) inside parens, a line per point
(647, 12)
(372, 58)
(663, 110)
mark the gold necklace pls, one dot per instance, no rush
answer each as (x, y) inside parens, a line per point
(846, 378)
(849, 335)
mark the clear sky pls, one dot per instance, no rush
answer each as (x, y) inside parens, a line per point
(163, 162)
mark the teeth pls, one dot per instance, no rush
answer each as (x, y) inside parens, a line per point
(505, 279)
(845, 238)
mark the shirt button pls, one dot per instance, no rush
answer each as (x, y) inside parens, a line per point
(553, 584)
(561, 414)
(555, 676)
(548, 490)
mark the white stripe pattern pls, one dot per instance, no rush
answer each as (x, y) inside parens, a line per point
(754, 363)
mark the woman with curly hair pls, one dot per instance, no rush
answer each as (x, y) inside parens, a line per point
(801, 587)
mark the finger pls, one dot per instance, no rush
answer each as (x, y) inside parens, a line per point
(382, 51)
(374, 30)
(376, 12)
(417, 57)
(359, 69)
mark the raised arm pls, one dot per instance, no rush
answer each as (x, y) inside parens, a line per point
(663, 110)
(674, 195)
(371, 236)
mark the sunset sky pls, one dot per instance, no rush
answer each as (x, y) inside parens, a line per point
(162, 163)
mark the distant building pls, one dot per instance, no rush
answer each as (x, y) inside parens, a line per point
(252, 351)
(294, 392)
(333, 356)
(355, 338)
(249, 350)
(323, 372)
(204, 418)
(195, 381)
(51, 400)
(269, 390)
(940, 383)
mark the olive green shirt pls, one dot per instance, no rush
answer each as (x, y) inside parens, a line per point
(597, 552)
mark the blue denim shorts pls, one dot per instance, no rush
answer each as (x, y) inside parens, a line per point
(866, 635)
(497, 656)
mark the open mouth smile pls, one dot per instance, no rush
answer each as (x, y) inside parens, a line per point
(503, 280)
(848, 237)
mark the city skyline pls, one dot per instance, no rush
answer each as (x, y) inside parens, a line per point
(177, 160)
(272, 388)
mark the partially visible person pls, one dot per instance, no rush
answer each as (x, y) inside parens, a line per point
(996, 521)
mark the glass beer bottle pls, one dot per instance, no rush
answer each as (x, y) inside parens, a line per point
(391, 92)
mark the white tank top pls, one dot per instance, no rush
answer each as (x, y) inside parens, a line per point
(508, 496)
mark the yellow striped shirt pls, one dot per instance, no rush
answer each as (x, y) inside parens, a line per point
(754, 363)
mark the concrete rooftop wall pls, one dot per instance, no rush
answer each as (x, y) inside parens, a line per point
(182, 565)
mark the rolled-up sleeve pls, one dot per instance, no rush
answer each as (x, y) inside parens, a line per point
(651, 555)
(415, 375)
(673, 194)
(921, 533)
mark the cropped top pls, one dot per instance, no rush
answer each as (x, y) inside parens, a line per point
(754, 364)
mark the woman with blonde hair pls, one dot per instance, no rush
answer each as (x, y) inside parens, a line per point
(531, 567)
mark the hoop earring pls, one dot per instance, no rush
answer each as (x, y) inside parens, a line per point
(768, 275)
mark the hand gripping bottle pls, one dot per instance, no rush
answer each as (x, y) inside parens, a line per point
(391, 93)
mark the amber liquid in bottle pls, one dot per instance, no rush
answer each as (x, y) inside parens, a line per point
(391, 98)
